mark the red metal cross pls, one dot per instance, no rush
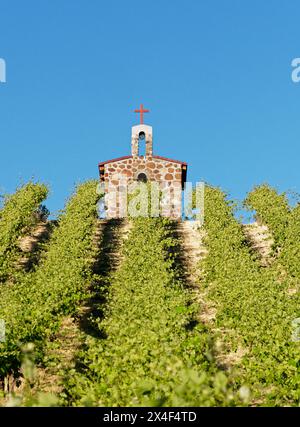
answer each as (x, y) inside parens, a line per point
(141, 111)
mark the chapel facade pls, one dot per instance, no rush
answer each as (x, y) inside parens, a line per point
(169, 174)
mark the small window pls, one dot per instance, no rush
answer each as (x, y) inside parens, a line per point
(142, 177)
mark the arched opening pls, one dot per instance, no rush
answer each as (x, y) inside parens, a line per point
(142, 144)
(142, 177)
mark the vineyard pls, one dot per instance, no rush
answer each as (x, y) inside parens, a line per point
(148, 312)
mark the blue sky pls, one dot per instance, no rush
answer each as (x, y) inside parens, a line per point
(216, 76)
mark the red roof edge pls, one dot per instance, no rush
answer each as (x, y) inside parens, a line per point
(154, 157)
(169, 160)
(115, 160)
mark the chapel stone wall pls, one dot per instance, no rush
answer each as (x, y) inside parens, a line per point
(167, 173)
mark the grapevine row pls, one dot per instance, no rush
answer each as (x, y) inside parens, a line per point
(272, 209)
(32, 308)
(253, 307)
(149, 349)
(284, 223)
(16, 217)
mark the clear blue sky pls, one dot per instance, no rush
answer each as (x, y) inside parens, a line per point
(216, 76)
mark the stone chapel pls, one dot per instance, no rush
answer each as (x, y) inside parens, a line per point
(143, 167)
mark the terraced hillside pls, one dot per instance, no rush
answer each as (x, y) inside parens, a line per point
(150, 311)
